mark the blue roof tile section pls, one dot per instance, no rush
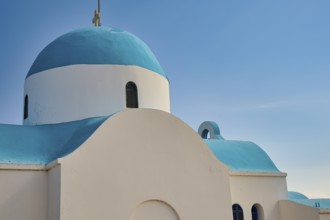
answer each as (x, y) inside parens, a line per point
(296, 195)
(42, 144)
(241, 156)
(96, 45)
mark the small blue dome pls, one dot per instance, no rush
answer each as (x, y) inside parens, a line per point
(242, 156)
(96, 45)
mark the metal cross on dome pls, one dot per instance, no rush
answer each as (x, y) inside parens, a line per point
(97, 15)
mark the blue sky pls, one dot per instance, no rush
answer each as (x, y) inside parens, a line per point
(260, 69)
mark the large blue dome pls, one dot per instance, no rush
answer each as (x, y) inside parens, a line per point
(96, 45)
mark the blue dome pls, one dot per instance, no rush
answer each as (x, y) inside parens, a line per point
(96, 45)
(241, 155)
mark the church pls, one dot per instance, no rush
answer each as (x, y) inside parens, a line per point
(98, 141)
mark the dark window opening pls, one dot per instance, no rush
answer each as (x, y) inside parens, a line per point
(131, 95)
(257, 212)
(206, 134)
(254, 212)
(237, 212)
(26, 107)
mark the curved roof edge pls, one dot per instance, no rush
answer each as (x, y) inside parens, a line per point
(96, 45)
(41, 144)
(243, 156)
(296, 195)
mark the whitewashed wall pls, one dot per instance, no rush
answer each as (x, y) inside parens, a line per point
(83, 91)
(325, 215)
(54, 193)
(293, 211)
(264, 189)
(140, 160)
(23, 193)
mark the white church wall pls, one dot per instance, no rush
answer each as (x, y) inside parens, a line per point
(144, 155)
(294, 211)
(264, 189)
(82, 91)
(325, 215)
(54, 192)
(23, 194)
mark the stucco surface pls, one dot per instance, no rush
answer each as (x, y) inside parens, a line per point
(294, 211)
(23, 195)
(141, 155)
(325, 216)
(263, 190)
(54, 193)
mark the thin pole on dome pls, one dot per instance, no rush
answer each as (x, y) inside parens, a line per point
(97, 15)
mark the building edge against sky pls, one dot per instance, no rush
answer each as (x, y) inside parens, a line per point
(141, 137)
(266, 85)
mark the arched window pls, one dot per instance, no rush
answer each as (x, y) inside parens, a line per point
(257, 212)
(237, 212)
(26, 107)
(254, 213)
(131, 95)
(205, 134)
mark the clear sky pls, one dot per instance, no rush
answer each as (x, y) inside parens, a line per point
(260, 69)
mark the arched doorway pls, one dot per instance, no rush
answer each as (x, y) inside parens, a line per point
(154, 210)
